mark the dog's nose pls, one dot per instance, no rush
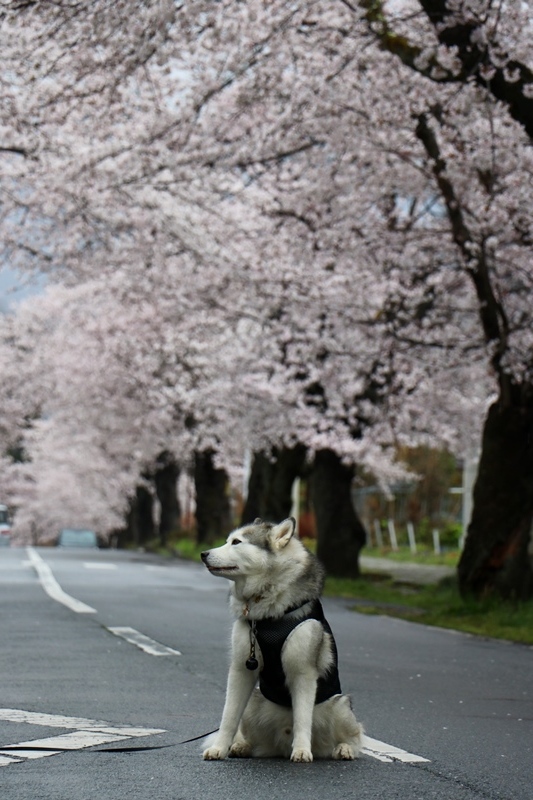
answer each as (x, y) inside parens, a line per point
(204, 555)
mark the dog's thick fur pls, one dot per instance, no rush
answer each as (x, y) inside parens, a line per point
(271, 571)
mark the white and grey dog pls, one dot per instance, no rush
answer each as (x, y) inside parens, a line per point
(281, 638)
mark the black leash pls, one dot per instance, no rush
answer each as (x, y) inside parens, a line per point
(14, 747)
(196, 738)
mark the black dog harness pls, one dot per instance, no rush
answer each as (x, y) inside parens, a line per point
(272, 634)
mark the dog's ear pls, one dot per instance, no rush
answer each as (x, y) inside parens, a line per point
(281, 534)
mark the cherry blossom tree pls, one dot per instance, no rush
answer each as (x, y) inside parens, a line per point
(436, 167)
(339, 213)
(124, 379)
(478, 145)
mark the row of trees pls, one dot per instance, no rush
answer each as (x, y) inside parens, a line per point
(300, 228)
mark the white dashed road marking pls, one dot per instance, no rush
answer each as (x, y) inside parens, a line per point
(84, 733)
(54, 590)
(52, 587)
(144, 642)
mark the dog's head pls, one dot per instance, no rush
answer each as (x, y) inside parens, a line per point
(250, 550)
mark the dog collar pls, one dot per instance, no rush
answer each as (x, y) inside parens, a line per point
(246, 607)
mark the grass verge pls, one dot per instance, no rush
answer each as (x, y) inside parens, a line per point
(440, 605)
(448, 558)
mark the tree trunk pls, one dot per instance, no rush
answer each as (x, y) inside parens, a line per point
(271, 482)
(139, 522)
(125, 536)
(257, 488)
(213, 510)
(497, 558)
(145, 516)
(165, 480)
(340, 533)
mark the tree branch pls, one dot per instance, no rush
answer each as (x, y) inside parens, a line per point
(19, 151)
(475, 58)
(506, 81)
(493, 317)
(397, 45)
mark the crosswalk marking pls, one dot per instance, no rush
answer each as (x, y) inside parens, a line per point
(83, 733)
(76, 740)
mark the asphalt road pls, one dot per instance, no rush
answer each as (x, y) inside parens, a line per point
(462, 703)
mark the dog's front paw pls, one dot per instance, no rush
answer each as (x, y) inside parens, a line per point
(301, 755)
(343, 752)
(215, 753)
(240, 749)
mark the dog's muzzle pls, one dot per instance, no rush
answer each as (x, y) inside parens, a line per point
(215, 567)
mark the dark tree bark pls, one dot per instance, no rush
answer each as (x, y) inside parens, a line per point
(126, 536)
(271, 482)
(257, 488)
(139, 522)
(496, 558)
(145, 515)
(213, 510)
(165, 480)
(507, 82)
(340, 533)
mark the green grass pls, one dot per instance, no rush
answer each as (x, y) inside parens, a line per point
(447, 558)
(439, 605)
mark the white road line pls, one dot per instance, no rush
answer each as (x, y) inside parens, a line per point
(389, 753)
(144, 642)
(84, 733)
(98, 565)
(52, 587)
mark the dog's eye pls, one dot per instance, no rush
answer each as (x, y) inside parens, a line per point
(236, 541)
